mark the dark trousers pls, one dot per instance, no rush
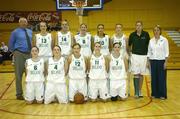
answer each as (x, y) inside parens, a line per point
(19, 61)
(158, 79)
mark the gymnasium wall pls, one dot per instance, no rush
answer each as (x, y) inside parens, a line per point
(151, 12)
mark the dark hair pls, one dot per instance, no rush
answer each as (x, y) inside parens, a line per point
(83, 24)
(35, 47)
(57, 46)
(42, 22)
(76, 44)
(117, 43)
(98, 31)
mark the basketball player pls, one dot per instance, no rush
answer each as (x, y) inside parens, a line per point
(77, 73)
(34, 78)
(120, 37)
(65, 39)
(84, 39)
(117, 73)
(56, 84)
(98, 68)
(103, 39)
(44, 42)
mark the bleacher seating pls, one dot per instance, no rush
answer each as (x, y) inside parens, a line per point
(174, 58)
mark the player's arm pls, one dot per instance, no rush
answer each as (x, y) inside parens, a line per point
(46, 68)
(53, 41)
(66, 66)
(92, 43)
(126, 43)
(89, 64)
(129, 44)
(34, 40)
(110, 44)
(69, 59)
(72, 43)
(72, 40)
(26, 68)
(106, 63)
(75, 38)
(56, 38)
(126, 64)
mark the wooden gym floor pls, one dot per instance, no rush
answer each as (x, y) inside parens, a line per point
(10, 108)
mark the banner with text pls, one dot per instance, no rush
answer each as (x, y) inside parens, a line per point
(32, 16)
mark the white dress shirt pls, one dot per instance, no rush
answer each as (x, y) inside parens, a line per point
(4, 48)
(158, 49)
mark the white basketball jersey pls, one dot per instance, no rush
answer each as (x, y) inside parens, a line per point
(77, 68)
(56, 71)
(85, 43)
(64, 41)
(104, 44)
(117, 68)
(122, 40)
(44, 44)
(35, 70)
(97, 68)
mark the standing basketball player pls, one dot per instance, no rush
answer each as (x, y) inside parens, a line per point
(77, 73)
(117, 73)
(98, 68)
(44, 42)
(56, 83)
(103, 39)
(35, 78)
(120, 37)
(84, 39)
(65, 39)
(138, 43)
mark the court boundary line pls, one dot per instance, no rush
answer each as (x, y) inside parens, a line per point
(86, 115)
(150, 100)
(6, 89)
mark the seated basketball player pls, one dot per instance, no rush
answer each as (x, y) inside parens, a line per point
(117, 73)
(56, 84)
(34, 78)
(77, 73)
(98, 68)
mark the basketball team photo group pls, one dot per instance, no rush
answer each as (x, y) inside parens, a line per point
(90, 59)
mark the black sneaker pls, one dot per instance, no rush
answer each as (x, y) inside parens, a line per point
(20, 98)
